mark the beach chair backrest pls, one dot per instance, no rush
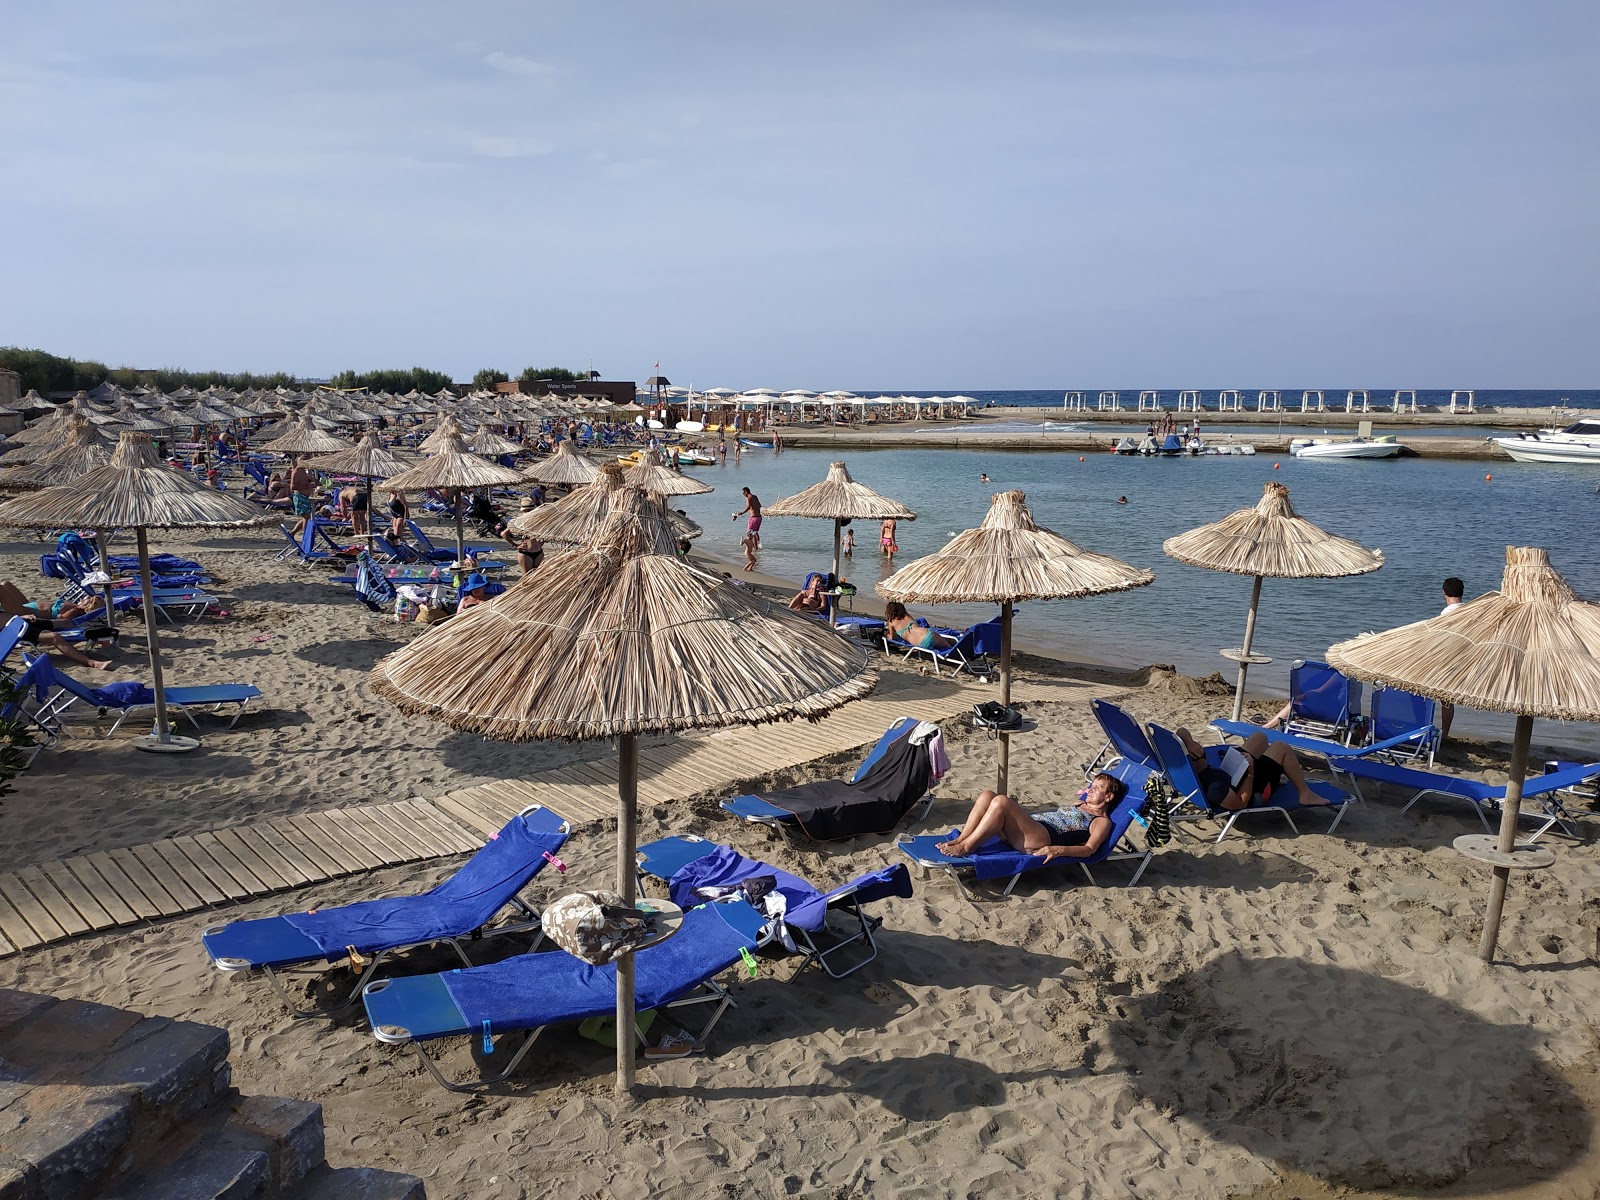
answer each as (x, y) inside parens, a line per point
(986, 638)
(1395, 712)
(308, 539)
(1124, 734)
(1175, 765)
(1122, 818)
(422, 538)
(1320, 693)
(901, 727)
(11, 635)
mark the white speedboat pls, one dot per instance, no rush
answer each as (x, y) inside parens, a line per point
(1577, 443)
(1354, 448)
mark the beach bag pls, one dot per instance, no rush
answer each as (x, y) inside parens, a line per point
(596, 926)
(1157, 815)
(991, 714)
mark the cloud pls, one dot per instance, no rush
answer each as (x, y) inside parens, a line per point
(516, 64)
(494, 145)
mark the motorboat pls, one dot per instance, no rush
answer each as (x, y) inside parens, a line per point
(1577, 443)
(1359, 447)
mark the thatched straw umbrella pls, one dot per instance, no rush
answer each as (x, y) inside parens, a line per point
(1268, 540)
(369, 460)
(303, 437)
(577, 518)
(490, 444)
(452, 467)
(447, 428)
(564, 466)
(1006, 559)
(651, 474)
(136, 489)
(620, 638)
(1531, 649)
(840, 498)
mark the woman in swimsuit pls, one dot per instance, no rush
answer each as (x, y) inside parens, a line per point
(399, 512)
(886, 538)
(1080, 831)
(903, 628)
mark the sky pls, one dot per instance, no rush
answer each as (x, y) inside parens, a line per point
(840, 193)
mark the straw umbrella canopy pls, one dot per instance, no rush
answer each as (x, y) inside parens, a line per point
(618, 639)
(1268, 541)
(840, 498)
(135, 489)
(305, 438)
(86, 448)
(489, 443)
(578, 518)
(452, 467)
(565, 466)
(1531, 649)
(1006, 559)
(650, 474)
(447, 428)
(369, 460)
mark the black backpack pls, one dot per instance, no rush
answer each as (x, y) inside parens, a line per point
(993, 715)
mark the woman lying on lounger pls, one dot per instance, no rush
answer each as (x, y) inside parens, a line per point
(905, 629)
(1076, 832)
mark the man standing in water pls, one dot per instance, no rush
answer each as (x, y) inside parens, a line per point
(1454, 590)
(752, 507)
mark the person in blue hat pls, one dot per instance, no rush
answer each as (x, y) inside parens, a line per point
(472, 592)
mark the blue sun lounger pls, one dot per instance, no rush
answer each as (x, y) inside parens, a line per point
(996, 860)
(529, 992)
(1402, 743)
(758, 811)
(458, 909)
(685, 863)
(972, 644)
(1322, 701)
(1485, 798)
(1192, 802)
(1127, 754)
(179, 699)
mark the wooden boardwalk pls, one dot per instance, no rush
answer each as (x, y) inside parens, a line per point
(109, 889)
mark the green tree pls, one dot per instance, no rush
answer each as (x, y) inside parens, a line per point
(554, 374)
(486, 379)
(394, 380)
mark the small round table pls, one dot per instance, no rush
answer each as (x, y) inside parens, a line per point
(1525, 856)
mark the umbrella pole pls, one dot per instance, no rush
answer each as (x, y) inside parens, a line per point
(1509, 808)
(1244, 656)
(1005, 694)
(100, 537)
(836, 551)
(368, 479)
(627, 836)
(461, 537)
(162, 741)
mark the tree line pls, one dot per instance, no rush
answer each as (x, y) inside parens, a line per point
(44, 372)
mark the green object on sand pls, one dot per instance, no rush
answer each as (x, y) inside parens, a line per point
(604, 1029)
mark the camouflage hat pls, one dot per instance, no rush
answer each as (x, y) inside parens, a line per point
(598, 928)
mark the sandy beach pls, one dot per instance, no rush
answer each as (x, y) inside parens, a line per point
(1274, 1016)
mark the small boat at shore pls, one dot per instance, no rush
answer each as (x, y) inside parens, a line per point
(1358, 447)
(1577, 443)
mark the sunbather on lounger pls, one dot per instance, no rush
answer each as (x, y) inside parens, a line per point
(1076, 832)
(903, 628)
(1269, 765)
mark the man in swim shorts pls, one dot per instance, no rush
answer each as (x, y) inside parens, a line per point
(752, 508)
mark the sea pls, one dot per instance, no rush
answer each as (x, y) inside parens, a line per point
(1432, 518)
(1333, 397)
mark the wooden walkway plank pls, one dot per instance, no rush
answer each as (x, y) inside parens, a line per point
(198, 880)
(68, 884)
(235, 866)
(386, 823)
(360, 830)
(50, 896)
(307, 843)
(5, 946)
(183, 896)
(271, 876)
(357, 856)
(30, 910)
(203, 866)
(15, 927)
(430, 827)
(135, 869)
(103, 891)
(468, 815)
(268, 836)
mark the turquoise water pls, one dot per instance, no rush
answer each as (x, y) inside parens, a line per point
(1431, 519)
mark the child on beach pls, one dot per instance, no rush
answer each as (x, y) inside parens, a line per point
(748, 543)
(847, 547)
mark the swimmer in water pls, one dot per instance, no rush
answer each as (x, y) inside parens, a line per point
(982, 478)
(1122, 499)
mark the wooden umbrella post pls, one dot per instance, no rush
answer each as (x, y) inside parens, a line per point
(1509, 810)
(836, 528)
(627, 837)
(1244, 658)
(162, 741)
(100, 538)
(1005, 695)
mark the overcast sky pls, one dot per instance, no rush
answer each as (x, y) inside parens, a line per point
(823, 194)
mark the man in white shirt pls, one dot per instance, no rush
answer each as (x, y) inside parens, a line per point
(1454, 590)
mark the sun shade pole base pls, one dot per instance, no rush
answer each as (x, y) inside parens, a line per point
(1509, 810)
(627, 865)
(1005, 696)
(1244, 658)
(161, 741)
